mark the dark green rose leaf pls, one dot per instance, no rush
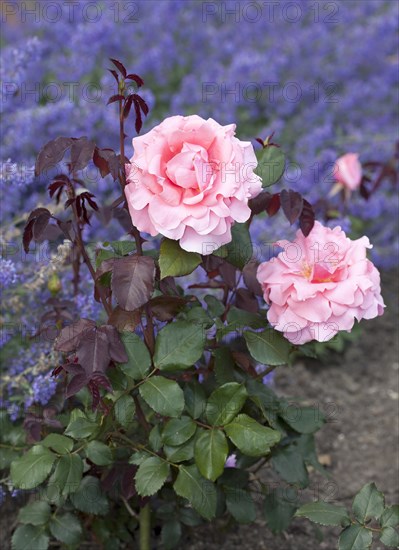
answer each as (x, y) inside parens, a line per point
(174, 261)
(37, 513)
(151, 475)
(355, 537)
(390, 537)
(250, 437)
(164, 396)
(29, 537)
(125, 409)
(66, 528)
(271, 164)
(240, 504)
(179, 345)
(32, 468)
(200, 492)
(59, 443)
(225, 403)
(324, 513)
(67, 474)
(195, 399)
(390, 516)
(268, 347)
(178, 431)
(139, 362)
(210, 453)
(278, 509)
(368, 503)
(89, 497)
(99, 453)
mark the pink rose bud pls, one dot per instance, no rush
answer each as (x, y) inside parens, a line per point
(231, 461)
(320, 284)
(348, 171)
(190, 179)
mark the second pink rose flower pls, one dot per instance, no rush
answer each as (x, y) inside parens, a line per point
(320, 284)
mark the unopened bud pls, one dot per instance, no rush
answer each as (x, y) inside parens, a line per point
(54, 284)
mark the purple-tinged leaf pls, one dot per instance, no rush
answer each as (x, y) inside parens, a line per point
(40, 225)
(165, 308)
(70, 336)
(133, 281)
(114, 74)
(120, 66)
(52, 153)
(27, 235)
(107, 162)
(52, 188)
(88, 197)
(69, 202)
(124, 320)
(142, 104)
(274, 205)
(95, 394)
(101, 380)
(116, 97)
(93, 352)
(35, 226)
(292, 204)
(117, 350)
(73, 368)
(38, 212)
(307, 218)
(139, 121)
(228, 272)
(82, 151)
(137, 79)
(128, 105)
(260, 203)
(67, 229)
(249, 273)
(128, 486)
(364, 192)
(246, 300)
(261, 142)
(84, 212)
(78, 382)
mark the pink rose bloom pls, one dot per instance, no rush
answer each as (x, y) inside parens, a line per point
(348, 171)
(320, 284)
(190, 179)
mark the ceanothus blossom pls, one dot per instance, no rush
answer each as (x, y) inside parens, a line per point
(190, 179)
(320, 284)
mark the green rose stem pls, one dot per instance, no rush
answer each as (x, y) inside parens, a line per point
(145, 524)
(145, 512)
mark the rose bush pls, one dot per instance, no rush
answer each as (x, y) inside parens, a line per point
(190, 179)
(320, 284)
(161, 414)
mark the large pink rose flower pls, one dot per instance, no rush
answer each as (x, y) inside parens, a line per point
(190, 179)
(318, 285)
(348, 171)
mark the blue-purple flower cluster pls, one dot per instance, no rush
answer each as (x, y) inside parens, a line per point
(304, 69)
